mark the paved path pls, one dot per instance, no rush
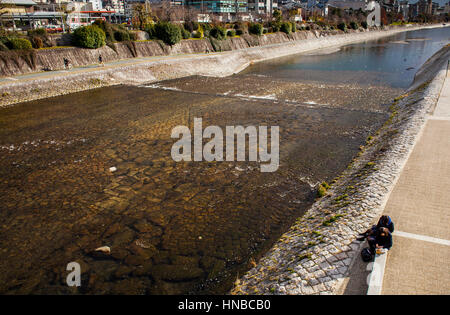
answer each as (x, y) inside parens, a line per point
(96, 67)
(420, 207)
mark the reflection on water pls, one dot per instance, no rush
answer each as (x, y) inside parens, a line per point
(173, 227)
(391, 60)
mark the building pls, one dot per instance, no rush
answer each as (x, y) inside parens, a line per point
(348, 5)
(262, 6)
(218, 6)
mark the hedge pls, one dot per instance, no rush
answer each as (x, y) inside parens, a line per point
(18, 43)
(256, 29)
(218, 32)
(231, 33)
(167, 32)
(286, 27)
(342, 26)
(89, 37)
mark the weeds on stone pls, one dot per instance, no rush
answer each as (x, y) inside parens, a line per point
(304, 256)
(322, 190)
(332, 219)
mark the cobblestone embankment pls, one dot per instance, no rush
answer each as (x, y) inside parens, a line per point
(316, 254)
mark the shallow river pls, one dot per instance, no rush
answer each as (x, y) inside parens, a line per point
(183, 227)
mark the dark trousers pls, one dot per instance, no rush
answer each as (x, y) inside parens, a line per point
(372, 244)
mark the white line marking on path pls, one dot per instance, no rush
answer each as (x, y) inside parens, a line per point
(422, 238)
(439, 118)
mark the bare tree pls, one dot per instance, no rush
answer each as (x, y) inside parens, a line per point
(142, 14)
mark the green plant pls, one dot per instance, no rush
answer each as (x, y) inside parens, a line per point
(167, 32)
(107, 28)
(286, 27)
(239, 32)
(332, 219)
(18, 43)
(342, 26)
(218, 32)
(38, 31)
(293, 27)
(36, 42)
(121, 36)
(90, 36)
(256, 29)
(150, 29)
(231, 33)
(354, 25)
(321, 191)
(276, 26)
(185, 33)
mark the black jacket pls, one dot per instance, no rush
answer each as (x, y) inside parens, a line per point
(389, 225)
(385, 242)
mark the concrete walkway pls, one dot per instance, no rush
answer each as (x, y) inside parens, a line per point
(420, 207)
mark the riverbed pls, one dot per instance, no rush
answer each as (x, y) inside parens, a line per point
(183, 227)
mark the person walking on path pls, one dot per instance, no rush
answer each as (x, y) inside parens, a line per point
(100, 61)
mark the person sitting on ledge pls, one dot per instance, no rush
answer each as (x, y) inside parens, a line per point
(384, 221)
(382, 239)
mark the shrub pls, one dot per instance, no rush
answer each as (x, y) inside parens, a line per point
(19, 43)
(107, 28)
(167, 32)
(218, 32)
(150, 29)
(256, 29)
(265, 31)
(239, 32)
(185, 33)
(3, 47)
(231, 33)
(354, 25)
(342, 26)
(276, 26)
(42, 32)
(89, 37)
(206, 27)
(307, 27)
(322, 190)
(121, 36)
(286, 27)
(36, 42)
(364, 24)
(293, 27)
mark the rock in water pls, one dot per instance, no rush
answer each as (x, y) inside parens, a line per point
(104, 249)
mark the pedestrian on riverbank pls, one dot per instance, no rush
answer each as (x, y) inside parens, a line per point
(100, 61)
(67, 64)
(384, 221)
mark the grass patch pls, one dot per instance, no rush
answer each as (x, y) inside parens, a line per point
(332, 219)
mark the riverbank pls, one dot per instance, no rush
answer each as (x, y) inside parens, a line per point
(176, 63)
(317, 253)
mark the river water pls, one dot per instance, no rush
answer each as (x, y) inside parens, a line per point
(183, 227)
